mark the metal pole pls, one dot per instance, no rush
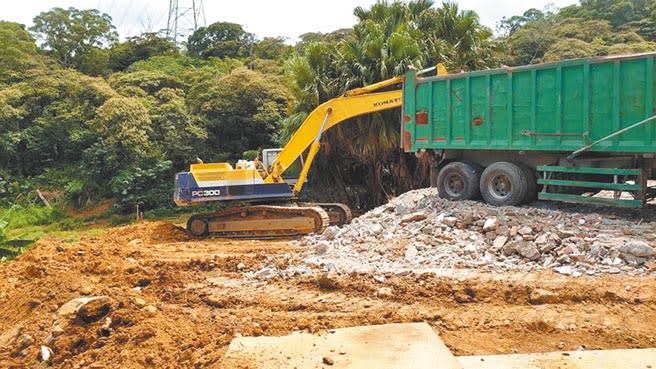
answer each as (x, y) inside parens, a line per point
(576, 153)
(423, 71)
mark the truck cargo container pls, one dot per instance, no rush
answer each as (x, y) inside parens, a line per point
(557, 131)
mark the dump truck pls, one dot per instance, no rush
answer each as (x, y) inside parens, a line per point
(556, 131)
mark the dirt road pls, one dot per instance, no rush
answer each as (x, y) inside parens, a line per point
(172, 302)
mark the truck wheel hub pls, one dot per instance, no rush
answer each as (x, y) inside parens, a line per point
(500, 186)
(455, 184)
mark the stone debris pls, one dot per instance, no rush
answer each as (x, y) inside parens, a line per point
(87, 309)
(328, 361)
(45, 353)
(419, 232)
(150, 309)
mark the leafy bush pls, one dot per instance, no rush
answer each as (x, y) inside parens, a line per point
(34, 215)
(251, 154)
(118, 219)
(150, 187)
(11, 188)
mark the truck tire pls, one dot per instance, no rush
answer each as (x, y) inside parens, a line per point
(531, 183)
(503, 184)
(459, 181)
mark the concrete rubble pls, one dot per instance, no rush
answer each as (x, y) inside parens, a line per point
(420, 232)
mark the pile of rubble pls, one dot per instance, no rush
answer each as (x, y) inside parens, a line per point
(418, 232)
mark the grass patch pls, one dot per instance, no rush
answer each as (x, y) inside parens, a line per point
(30, 223)
(21, 226)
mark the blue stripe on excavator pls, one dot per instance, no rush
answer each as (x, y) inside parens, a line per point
(187, 192)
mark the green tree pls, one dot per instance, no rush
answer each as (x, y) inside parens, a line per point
(44, 119)
(571, 48)
(175, 132)
(595, 27)
(510, 25)
(143, 47)
(271, 48)
(331, 38)
(70, 34)
(220, 39)
(529, 44)
(123, 126)
(18, 52)
(241, 111)
(469, 42)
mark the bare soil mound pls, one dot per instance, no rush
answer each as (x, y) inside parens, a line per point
(149, 296)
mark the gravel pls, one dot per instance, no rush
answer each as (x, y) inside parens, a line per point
(419, 232)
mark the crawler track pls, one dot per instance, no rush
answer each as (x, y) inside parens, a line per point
(338, 213)
(261, 221)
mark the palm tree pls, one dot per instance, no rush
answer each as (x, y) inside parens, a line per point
(388, 38)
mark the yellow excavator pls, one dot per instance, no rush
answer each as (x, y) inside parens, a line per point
(274, 209)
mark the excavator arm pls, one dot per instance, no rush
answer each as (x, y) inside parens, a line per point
(354, 103)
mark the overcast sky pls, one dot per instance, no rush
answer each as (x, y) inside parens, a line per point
(287, 18)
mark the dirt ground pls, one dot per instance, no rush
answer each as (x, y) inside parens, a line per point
(176, 302)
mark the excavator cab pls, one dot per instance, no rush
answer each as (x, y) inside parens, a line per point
(292, 173)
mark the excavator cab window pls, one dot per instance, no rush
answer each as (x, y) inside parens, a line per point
(293, 171)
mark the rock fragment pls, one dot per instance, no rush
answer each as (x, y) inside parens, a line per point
(87, 309)
(491, 224)
(540, 296)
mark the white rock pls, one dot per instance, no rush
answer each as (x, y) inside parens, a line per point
(385, 292)
(45, 352)
(637, 248)
(72, 307)
(470, 248)
(450, 221)
(330, 233)
(525, 230)
(411, 253)
(376, 229)
(499, 242)
(565, 269)
(491, 224)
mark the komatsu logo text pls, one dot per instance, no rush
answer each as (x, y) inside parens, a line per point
(395, 100)
(206, 193)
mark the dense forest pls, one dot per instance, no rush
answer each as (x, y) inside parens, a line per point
(89, 116)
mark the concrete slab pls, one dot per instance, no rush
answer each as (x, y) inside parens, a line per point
(398, 346)
(606, 359)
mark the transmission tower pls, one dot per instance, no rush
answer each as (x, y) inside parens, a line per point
(185, 16)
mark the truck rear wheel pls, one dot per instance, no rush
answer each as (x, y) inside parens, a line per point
(459, 181)
(503, 183)
(531, 183)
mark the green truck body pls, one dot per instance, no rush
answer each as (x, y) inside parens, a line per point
(538, 115)
(551, 107)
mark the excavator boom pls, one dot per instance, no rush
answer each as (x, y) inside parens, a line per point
(324, 117)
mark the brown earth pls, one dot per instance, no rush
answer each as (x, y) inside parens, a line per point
(175, 302)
